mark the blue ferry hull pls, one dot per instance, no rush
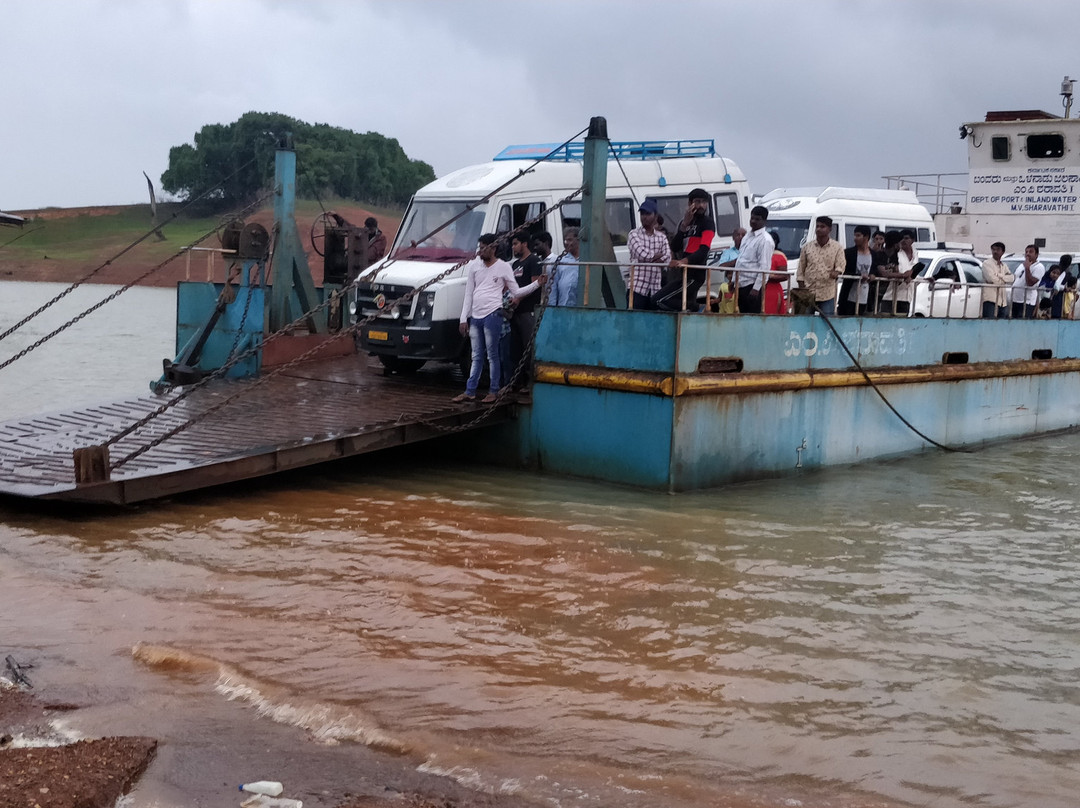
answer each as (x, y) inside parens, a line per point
(652, 399)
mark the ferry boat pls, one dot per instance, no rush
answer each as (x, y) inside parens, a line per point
(685, 401)
(670, 401)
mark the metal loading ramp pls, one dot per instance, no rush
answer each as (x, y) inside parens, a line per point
(314, 413)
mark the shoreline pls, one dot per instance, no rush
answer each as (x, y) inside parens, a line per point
(41, 769)
(112, 263)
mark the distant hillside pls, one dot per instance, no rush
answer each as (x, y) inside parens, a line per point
(64, 244)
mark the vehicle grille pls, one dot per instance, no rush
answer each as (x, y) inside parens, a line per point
(375, 299)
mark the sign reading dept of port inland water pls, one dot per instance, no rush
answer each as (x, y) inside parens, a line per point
(1025, 189)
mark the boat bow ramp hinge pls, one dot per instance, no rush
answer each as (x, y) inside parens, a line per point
(91, 464)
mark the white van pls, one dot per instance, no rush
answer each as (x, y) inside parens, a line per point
(426, 328)
(794, 211)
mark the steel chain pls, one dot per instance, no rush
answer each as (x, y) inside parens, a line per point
(133, 244)
(352, 329)
(244, 315)
(115, 294)
(526, 355)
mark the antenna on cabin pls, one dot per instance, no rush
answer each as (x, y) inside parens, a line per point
(1066, 94)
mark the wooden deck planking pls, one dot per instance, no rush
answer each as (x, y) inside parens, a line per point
(316, 412)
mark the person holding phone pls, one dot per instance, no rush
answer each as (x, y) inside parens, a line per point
(695, 234)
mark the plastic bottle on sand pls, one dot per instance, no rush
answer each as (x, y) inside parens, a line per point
(268, 787)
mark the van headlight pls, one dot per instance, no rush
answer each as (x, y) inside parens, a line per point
(425, 304)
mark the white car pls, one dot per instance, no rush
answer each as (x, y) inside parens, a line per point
(948, 285)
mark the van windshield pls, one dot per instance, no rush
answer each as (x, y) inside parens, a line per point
(792, 234)
(453, 243)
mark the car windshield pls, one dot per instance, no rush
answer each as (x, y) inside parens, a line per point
(792, 234)
(454, 242)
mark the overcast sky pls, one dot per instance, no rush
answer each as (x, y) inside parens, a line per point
(810, 92)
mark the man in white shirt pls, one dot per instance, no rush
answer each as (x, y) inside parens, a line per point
(486, 277)
(1025, 290)
(754, 261)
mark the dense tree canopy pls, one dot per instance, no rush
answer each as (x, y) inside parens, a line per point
(329, 161)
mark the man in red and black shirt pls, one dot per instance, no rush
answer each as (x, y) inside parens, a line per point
(695, 235)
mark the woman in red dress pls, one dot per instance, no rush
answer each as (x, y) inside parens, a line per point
(775, 301)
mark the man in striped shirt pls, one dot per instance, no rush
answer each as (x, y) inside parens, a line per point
(647, 245)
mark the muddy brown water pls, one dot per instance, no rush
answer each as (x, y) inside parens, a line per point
(901, 633)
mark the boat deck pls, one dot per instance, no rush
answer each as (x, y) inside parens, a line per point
(313, 413)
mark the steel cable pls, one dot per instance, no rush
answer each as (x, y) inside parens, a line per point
(876, 389)
(126, 249)
(118, 292)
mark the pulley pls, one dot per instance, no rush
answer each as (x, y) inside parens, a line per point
(254, 241)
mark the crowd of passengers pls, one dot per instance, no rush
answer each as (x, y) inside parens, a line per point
(875, 275)
(667, 270)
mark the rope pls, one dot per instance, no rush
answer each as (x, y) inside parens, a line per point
(126, 249)
(869, 381)
(119, 292)
(351, 330)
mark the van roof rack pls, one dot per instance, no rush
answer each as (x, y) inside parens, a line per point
(623, 150)
(946, 246)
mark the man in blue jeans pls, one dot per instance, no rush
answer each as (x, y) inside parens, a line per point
(486, 278)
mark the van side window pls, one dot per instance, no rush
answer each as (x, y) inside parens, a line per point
(514, 216)
(849, 232)
(618, 213)
(923, 234)
(1046, 146)
(672, 209)
(727, 213)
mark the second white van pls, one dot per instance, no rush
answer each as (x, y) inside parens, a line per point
(793, 213)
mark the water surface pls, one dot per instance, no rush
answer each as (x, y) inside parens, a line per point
(898, 633)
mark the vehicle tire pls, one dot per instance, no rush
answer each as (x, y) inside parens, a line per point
(397, 364)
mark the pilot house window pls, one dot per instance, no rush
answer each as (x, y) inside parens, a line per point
(1045, 146)
(999, 147)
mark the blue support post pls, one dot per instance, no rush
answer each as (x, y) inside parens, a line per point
(600, 287)
(293, 291)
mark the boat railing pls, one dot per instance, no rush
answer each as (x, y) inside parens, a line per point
(932, 190)
(210, 253)
(885, 296)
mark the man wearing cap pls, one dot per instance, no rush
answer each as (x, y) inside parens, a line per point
(648, 247)
(376, 241)
(695, 233)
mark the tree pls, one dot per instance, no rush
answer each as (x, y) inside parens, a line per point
(235, 162)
